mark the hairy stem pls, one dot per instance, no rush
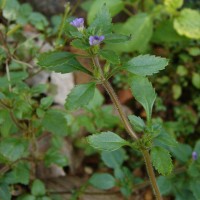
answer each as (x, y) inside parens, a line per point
(151, 174)
(129, 129)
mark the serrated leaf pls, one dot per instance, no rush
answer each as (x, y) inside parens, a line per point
(161, 160)
(188, 23)
(110, 56)
(58, 61)
(106, 141)
(114, 8)
(80, 96)
(144, 93)
(102, 23)
(194, 187)
(137, 122)
(102, 181)
(144, 65)
(113, 159)
(38, 188)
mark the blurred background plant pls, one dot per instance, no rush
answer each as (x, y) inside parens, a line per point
(36, 132)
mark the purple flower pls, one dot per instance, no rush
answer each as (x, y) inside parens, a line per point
(78, 23)
(94, 40)
(194, 155)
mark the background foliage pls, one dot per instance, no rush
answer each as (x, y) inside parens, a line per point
(169, 28)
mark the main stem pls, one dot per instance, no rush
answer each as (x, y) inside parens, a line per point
(128, 128)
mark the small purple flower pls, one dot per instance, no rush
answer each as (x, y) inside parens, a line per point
(94, 40)
(194, 155)
(78, 23)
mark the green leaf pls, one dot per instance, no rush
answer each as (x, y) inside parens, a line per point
(96, 101)
(177, 91)
(188, 23)
(165, 140)
(114, 8)
(38, 188)
(194, 51)
(54, 156)
(79, 44)
(20, 174)
(102, 181)
(193, 169)
(165, 33)
(11, 9)
(23, 14)
(116, 38)
(161, 160)
(110, 56)
(137, 122)
(144, 93)
(194, 187)
(102, 23)
(38, 20)
(13, 148)
(55, 122)
(182, 152)
(144, 65)
(172, 5)
(5, 192)
(140, 26)
(106, 141)
(80, 96)
(113, 159)
(58, 61)
(182, 70)
(38, 89)
(46, 102)
(54, 58)
(196, 80)
(165, 185)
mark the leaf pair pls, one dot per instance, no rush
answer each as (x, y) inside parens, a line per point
(141, 88)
